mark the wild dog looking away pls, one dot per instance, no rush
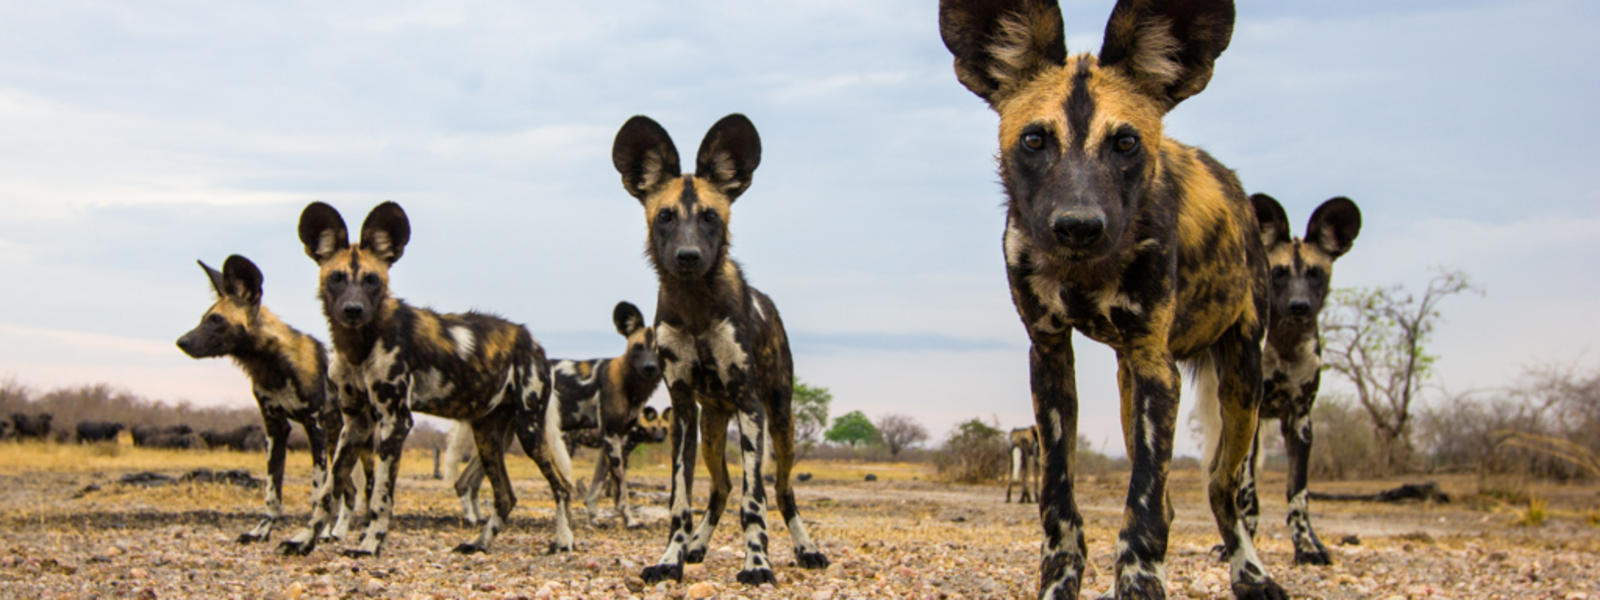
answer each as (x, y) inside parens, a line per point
(650, 428)
(603, 395)
(1135, 240)
(1291, 361)
(288, 373)
(722, 345)
(1024, 463)
(391, 359)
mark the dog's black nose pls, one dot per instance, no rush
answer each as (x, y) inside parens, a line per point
(1299, 308)
(688, 257)
(649, 369)
(1078, 229)
(353, 311)
(185, 345)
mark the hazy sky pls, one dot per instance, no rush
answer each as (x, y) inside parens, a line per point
(135, 138)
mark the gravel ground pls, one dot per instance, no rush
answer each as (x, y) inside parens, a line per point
(887, 539)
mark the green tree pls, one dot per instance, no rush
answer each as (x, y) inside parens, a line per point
(853, 428)
(975, 452)
(1376, 338)
(810, 408)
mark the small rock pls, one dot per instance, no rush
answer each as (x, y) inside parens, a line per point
(700, 591)
(372, 586)
(871, 477)
(1350, 540)
(295, 591)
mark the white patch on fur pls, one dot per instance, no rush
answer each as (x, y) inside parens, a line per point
(1297, 370)
(760, 314)
(1015, 246)
(1016, 464)
(430, 385)
(724, 342)
(1243, 555)
(1116, 299)
(682, 347)
(465, 342)
(283, 398)
(1048, 291)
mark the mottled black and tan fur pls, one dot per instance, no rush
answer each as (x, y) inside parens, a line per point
(288, 373)
(391, 359)
(1136, 241)
(723, 347)
(1291, 360)
(604, 396)
(1024, 463)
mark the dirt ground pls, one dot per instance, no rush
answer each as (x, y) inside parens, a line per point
(902, 536)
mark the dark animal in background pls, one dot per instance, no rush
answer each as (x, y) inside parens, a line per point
(5, 429)
(288, 373)
(143, 434)
(391, 358)
(1024, 463)
(722, 345)
(602, 395)
(173, 441)
(1133, 239)
(98, 431)
(246, 438)
(31, 427)
(1291, 360)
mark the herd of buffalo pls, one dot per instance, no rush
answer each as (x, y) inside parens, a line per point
(38, 426)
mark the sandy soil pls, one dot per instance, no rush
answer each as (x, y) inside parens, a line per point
(899, 537)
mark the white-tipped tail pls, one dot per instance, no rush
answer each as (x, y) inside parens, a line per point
(459, 446)
(553, 442)
(1016, 462)
(1208, 409)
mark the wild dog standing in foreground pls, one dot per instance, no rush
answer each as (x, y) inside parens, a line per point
(288, 373)
(1291, 361)
(605, 395)
(1137, 241)
(721, 342)
(391, 359)
(1024, 463)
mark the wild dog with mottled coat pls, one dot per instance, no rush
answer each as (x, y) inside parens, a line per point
(721, 341)
(1135, 240)
(1024, 463)
(602, 395)
(391, 358)
(1291, 361)
(288, 373)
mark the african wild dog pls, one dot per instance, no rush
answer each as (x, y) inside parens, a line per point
(721, 342)
(1024, 463)
(288, 373)
(1291, 361)
(650, 428)
(98, 431)
(604, 395)
(391, 359)
(1136, 241)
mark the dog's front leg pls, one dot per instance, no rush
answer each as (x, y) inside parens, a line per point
(685, 413)
(390, 399)
(1148, 378)
(1055, 407)
(355, 433)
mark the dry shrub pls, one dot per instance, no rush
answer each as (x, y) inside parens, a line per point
(1345, 446)
(975, 452)
(1537, 511)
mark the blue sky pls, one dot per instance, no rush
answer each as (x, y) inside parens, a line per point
(138, 138)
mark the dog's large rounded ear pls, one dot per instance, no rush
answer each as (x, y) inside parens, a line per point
(243, 279)
(322, 231)
(1334, 226)
(1270, 219)
(643, 153)
(729, 155)
(385, 232)
(998, 46)
(218, 284)
(1167, 48)
(627, 318)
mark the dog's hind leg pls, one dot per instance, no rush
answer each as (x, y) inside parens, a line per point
(780, 426)
(1237, 362)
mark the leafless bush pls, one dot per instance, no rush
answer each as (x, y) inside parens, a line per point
(1345, 446)
(1547, 426)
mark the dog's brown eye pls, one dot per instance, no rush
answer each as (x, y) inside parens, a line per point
(1033, 140)
(1280, 272)
(370, 279)
(215, 319)
(337, 277)
(1126, 144)
(664, 216)
(708, 216)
